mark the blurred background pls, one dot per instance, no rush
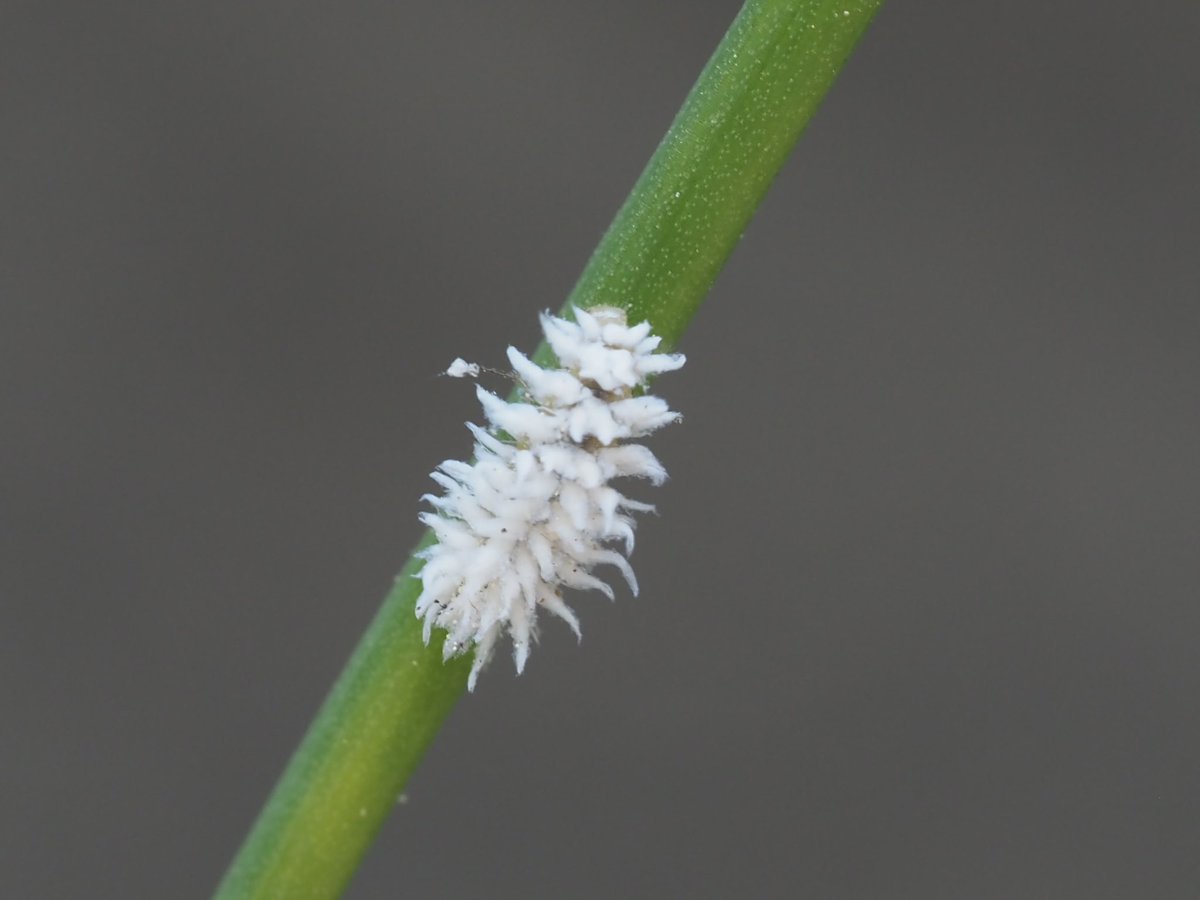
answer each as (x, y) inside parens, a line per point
(919, 615)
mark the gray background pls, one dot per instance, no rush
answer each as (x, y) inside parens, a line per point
(919, 615)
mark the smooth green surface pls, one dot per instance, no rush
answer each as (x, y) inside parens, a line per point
(352, 765)
(689, 208)
(658, 259)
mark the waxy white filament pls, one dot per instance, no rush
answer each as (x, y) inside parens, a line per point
(536, 512)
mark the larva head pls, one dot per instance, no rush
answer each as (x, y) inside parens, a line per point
(607, 315)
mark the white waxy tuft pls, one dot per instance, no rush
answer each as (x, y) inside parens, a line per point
(535, 512)
(460, 368)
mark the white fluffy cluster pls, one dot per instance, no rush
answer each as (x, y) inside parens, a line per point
(536, 511)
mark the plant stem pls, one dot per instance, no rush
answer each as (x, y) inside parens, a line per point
(657, 260)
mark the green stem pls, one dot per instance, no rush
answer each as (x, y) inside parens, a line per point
(657, 260)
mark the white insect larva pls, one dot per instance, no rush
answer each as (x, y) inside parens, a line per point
(535, 512)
